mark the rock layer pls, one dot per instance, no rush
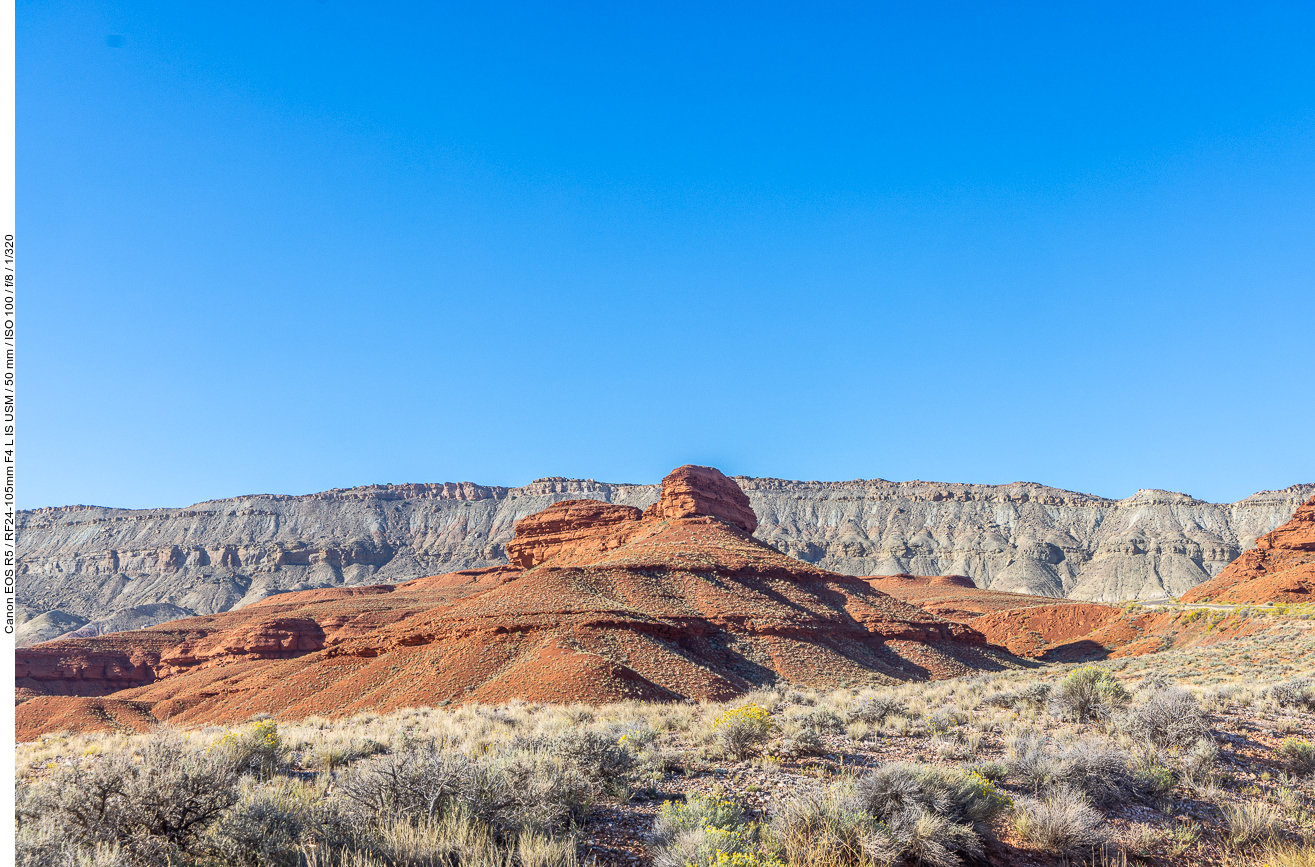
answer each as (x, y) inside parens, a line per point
(690, 607)
(577, 526)
(1281, 568)
(691, 490)
(89, 562)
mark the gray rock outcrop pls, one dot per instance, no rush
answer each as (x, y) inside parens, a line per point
(89, 563)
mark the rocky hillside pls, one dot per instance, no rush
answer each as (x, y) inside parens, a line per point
(1280, 568)
(676, 602)
(90, 563)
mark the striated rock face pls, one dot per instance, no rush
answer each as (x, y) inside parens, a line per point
(578, 526)
(692, 490)
(89, 563)
(1281, 568)
(690, 607)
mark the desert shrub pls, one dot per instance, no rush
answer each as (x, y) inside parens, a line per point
(927, 809)
(927, 837)
(1061, 821)
(50, 848)
(455, 839)
(944, 720)
(155, 811)
(994, 771)
(256, 749)
(704, 831)
(1098, 769)
(794, 696)
(821, 719)
(829, 830)
(416, 782)
(533, 790)
(919, 813)
(741, 731)
(1298, 693)
(1300, 754)
(876, 709)
(1088, 693)
(268, 824)
(526, 788)
(633, 736)
(1169, 718)
(806, 742)
(605, 761)
(331, 756)
(1199, 761)
(1250, 822)
(1154, 780)
(1035, 695)
(1030, 762)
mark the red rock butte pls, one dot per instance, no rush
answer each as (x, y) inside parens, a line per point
(601, 603)
(1281, 568)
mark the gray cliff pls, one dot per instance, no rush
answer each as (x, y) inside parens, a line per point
(102, 566)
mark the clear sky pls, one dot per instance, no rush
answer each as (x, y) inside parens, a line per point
(294, 245)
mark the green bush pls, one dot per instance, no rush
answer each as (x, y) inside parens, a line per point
(1300, 754)
(1155, 780)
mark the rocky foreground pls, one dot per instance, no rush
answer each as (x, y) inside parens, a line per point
(92, 570)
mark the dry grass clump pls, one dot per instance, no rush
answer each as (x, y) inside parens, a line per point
(1167, 717)
(1250, 822)
(1289, 855)
(1298, 693)
(1088, 694)
(1300, 754)
(1061, 821)
(923, 813)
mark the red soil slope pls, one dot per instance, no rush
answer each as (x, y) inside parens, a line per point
(1038, 627)
(1281, 568)
(670, 605)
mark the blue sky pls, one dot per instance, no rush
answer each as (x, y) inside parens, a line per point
(283, 247)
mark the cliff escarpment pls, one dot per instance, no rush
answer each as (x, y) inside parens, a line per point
(90, 562)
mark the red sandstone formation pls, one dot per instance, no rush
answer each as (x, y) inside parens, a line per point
(585, 527)
(674, 605)
(1281, 568)
(690, 491)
